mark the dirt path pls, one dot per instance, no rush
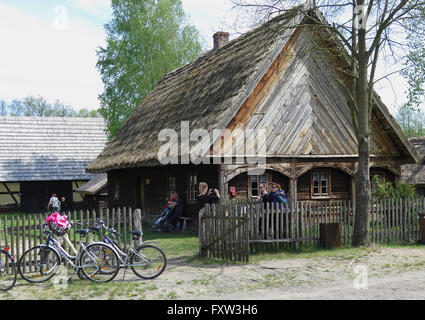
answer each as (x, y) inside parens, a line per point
(392, 273)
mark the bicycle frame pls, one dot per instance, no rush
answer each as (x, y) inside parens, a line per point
(55, 245)
(122, 256)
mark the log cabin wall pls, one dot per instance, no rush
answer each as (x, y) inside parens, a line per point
(245, 187)
(338, 185)
(148, 188)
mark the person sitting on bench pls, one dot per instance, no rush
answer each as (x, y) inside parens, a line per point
(178, 209)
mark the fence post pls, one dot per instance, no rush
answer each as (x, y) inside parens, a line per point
(137, 222)
(200, 230)
(125, 227)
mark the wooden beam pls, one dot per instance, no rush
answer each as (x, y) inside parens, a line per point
(293, 190)
(10, 193)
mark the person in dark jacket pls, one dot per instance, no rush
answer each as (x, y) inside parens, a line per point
(266, 193)
(63, 205)
(206, 196)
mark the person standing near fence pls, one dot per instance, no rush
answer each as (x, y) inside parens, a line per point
(206, 196)
(266, 192)
(64, 205)
(279, 196)
(53, 205)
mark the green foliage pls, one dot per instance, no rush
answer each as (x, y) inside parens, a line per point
(415, 63)
(39, 107)
(405, 190)
(385, 190)
(145, 40)
(411, 120)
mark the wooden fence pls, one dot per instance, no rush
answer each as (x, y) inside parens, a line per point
(230, 230)
(23, 231)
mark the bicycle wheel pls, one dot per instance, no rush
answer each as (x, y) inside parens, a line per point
(39, 264)
(148, 262)
(99, 263)
(8, 272)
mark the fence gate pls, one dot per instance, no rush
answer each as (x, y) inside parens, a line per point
(224, 236)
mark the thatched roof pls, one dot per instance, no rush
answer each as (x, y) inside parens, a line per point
(208, 93)
(49, 149)
(415, 173)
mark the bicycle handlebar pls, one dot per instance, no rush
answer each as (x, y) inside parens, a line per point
(111, 230)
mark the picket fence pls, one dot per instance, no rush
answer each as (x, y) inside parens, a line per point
(230, 230)
(24, 231)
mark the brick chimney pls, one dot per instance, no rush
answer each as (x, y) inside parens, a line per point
(220, 39)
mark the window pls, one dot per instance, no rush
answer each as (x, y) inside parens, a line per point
(320, 183)
(193, 187)
(255, 183)
(171, 184)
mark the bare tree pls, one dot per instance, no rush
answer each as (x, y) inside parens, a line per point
(369, 31)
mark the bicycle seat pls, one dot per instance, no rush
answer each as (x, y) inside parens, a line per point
(137, 233)
(83, 232)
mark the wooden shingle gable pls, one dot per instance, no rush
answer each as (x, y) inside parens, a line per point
(302, 108)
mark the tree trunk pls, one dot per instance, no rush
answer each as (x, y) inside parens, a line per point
(363, 197)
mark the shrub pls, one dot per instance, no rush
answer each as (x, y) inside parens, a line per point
(386, 190)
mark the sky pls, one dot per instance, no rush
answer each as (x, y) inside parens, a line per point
(48, 48)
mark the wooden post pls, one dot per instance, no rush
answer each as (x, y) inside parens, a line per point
(200, 230)
(223, 184)
(353, 194)
(137, 222)
(18, 245)
(293, 190)
(125, 227)
(130, 225)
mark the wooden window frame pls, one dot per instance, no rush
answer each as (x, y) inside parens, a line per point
(189, 191)
(168, 185)
(269, 179)
(328, 180)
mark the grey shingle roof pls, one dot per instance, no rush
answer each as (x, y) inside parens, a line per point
(415, 173)
(93, 186)
(41, 149)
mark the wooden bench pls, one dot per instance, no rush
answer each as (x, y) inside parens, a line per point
(184, 220)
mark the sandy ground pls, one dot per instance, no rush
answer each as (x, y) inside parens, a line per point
(378, 273)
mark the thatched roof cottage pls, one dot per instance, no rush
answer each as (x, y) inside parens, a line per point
(279, 79)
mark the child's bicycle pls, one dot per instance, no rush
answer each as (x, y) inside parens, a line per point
(147, 261)
(8, 271)
(98, 262)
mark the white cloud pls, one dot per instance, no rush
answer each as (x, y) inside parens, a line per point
(38, 59)
(207, 17)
